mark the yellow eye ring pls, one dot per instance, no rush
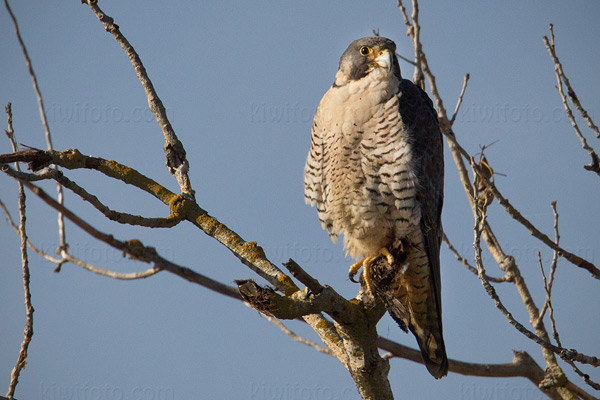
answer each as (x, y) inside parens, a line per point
(365, 51)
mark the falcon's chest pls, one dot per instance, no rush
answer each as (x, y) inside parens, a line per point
(363, 131)
(369, 168)
(350, 108)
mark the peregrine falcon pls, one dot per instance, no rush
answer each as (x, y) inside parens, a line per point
(375, 172)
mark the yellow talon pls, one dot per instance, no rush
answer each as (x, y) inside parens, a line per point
(366, 263)
(385, 252)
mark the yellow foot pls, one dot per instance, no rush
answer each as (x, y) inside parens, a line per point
(366, 263)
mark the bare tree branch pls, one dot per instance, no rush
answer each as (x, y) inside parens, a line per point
(351, 337)
(297, 338)
(460, 98)
(134, 249)
(31, 245)
(548, 284)
(177, 163)
(465, 262)
(572, 96)
(249, 253)
(110, 274)
(504, 261)
(535, 232)
(28, 332)
(355, 323)
(120, 217)
(44, 119)
(560, 78)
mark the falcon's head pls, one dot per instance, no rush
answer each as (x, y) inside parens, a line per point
(365, 55)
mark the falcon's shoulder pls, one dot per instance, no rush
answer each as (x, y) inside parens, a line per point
(423, 131)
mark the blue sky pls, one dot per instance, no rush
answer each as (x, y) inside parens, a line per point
(240, 83)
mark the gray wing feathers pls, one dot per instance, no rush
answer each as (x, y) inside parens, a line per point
(420, 119)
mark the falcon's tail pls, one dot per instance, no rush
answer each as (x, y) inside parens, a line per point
(433, 352)
(431, 342)
(413, 306)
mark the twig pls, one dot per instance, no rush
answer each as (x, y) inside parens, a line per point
(120, 217)
(135, 249)
(297, 272)
(66, 257)
(73, 159)
(110, 274)
(422, 66)
(408, 60)
(42, 110)
(463, 261)
(560, 77)
(535, 232)
(548, 284)
(584, 376)
(175, 155)
(522, 365)
(548, 302)
(117, 216)
(31, 245)
(28, 332)
(460, 98)
(570, 91)
(297, 338)
(565, 354)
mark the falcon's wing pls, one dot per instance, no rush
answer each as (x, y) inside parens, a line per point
(422, 125)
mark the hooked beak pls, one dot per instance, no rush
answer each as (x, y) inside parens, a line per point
(385, 60)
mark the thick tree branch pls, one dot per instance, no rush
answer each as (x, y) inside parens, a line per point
(521, 366)
(355, 323)
(248, 252)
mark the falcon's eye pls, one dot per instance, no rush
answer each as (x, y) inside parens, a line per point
(365, 51)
